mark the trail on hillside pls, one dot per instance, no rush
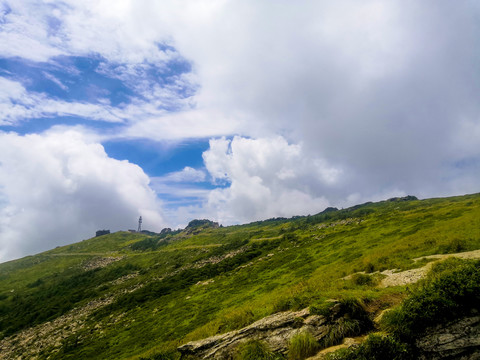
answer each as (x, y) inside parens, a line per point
(406, 277)
(119, 253)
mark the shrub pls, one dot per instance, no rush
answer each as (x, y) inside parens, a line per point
(302, 345)
(369, 268)
(362, 279)
(443, 296)
(341, 329)
(376, 347)
(354, 321)
(290, 237)
(454, 246)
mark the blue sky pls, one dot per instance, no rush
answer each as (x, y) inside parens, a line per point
(234, 111)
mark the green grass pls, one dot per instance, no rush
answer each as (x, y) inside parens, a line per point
(376, 347)
(254, 349)
(452, 290)
(186, 286)
(301, 346)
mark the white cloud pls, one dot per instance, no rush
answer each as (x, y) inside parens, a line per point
(196, 123)
(55, 80)
(59, 187)
(39, 31)
(25, 31)
(187, 174)
(17, 104)
(382, 90)
(266, 177)
(372, 98)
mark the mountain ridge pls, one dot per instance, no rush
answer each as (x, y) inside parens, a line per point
(138, 295)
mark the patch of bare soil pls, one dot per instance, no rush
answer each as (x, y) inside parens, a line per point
(412, 276)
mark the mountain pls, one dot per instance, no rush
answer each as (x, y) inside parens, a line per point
(279, 288)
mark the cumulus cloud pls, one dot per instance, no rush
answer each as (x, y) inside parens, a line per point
(333, 102)
(60, 187)
(265, 178)
(382, 90)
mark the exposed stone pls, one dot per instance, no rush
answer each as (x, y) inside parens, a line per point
(457, 340)
(394, 278)
(275, 330)
(100, 262)
(206, 282)
(31, 341)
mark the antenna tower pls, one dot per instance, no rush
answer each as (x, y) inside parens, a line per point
(139, 224)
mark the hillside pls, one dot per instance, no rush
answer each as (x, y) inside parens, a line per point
(141, 296)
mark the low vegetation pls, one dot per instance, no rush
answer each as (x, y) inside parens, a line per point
(302, 346)
(376, 347)
(166, 289)
(451, 291)
(255, 349)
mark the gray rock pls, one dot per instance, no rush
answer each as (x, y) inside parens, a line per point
(457, 340)
(275, 330)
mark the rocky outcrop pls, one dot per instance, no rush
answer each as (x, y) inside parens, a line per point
(457, 340)
(102, 232)
(275, 330)
(195, 226)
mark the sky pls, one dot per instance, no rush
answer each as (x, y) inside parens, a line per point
(230, 110)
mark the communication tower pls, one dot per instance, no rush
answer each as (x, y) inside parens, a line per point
(139, 224)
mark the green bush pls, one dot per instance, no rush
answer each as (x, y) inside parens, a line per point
(444, 296)
(302, 346)
(376, 347)
(369, 268)
(341, 329)
(163, 355)
(362, 279)
(353, 320)
(454, 246)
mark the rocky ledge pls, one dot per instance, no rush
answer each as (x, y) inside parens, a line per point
(275, 330)
(459, 340)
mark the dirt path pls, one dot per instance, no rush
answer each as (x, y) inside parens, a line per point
(411, 276)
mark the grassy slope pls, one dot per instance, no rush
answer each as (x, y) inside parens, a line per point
(310, 257)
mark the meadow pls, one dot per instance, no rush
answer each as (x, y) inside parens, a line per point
(156, 292)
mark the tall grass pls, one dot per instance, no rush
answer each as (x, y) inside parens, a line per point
(302, 345)
(376, 347)
(254, 349)
(451, 290)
